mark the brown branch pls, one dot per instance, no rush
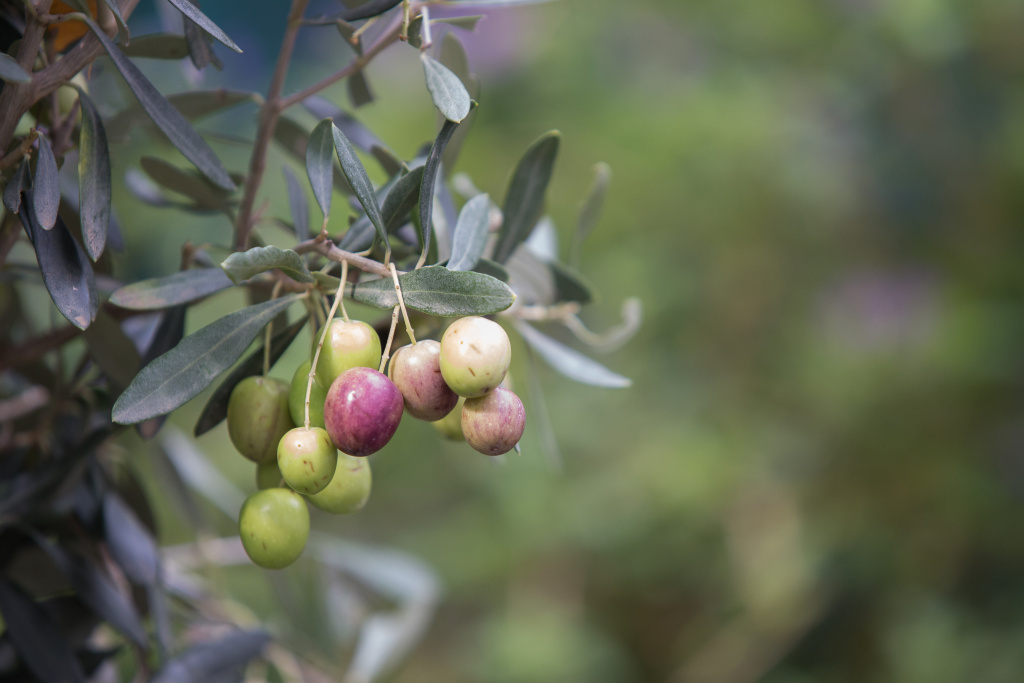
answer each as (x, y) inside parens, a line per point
(269, 114)
(331, 251)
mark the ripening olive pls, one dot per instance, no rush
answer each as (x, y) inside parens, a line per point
(475, 355)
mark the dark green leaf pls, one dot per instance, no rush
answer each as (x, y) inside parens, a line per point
(184, 371)
(438, 291)
(359, 92)
(11, 71)
(570, 362)
(193, 13)
(98, 591)
(471, 233)
(590, 211)
(429, 176)
(360, 182)
(209, 661)
(66, 271)
(320, 164)
(200, 47)
(401, 199)
(37, 639)
(446, 90)
(157, 46)
(163, 292)
(46, 186)
(416, 32)
(169, 119)
(131, 544)
(93, 179)
(242, 265)
(15, 186)
(524, 202)
(216, 409)
(369, 9)
(205, 195)
(492, 268)
(113, 351)
(569, 285)
(299, 205)
(168, 333)
(191, 105)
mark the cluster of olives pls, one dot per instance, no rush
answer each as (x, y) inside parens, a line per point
(354, 411)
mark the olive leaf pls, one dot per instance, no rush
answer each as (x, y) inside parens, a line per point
(184, 371)
(446, 90)
(193, 104)
(213, 660)
(590, 211)
(298, 204)
(369, 9)
(216, 408)
(358, 134)
(157, 46)
(320, 164)
(19, 182)
(570, 362)
(360, 182)
(524, 202)
(193, 13)
(205, 195)
(11, 71)
(471, 232)
(93, 178)
(171, 290)
(438, 291)
(36, 637)
(169, 119)
(359, 89)
(360, 234)
(46, 186)
(429, 176)
(242, 265)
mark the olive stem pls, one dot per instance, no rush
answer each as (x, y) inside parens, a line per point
(270, 331)
(319, 348)
(401, 303)
(344, 280)
(391, 336)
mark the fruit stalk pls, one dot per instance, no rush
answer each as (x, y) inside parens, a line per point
(323, 335)
(401, 304)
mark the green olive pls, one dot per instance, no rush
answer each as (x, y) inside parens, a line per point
(274, 526)
(349, 488)
(307, 459)
(258, 417)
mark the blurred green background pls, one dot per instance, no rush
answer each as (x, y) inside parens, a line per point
(818, 474)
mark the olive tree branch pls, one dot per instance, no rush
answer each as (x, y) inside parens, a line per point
(331, 251)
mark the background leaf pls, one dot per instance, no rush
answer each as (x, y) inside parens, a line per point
(429, 176)
(113, 351)
(157, 46)
(590, 211)
(446, 90)
(320, 164)
(570, 362)
(471, 233)
(207, 661)
(193, 13)
(205, 195)
(93, 178)
(169, 119)
(179, 288)
(37, 639)
(360, 182)
(15, 186)
(524, 202)
(11, 71)
(359, 92)
(242, 265)
(216, 409)
(184, 371)
(298, 204)
(192, 104)
(46, 186)
(65, 267)
(358, 134)
(131, 544)
(438, 291)
(169, 332)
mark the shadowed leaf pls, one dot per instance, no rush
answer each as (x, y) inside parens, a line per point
(369, 9)
(38, 641)
(492, 268)
(590, 211)
(157, 46)
(570, 362)
(446, 90)
(298, 204)
(18, 183)
(524, 201)
(360, 182)
(131, 544)
(193, 13)
(184, 371)
(93, 179)
(320, 164)
(169, 119)
(429, 176)
(359, 92)
(205, 195)
(66, 271)
(360, 234)
(179, 288)
(471, 233)
(216, 409)
(207, 661)
(358, 134)
(113, 351)
(569, 285)
(242, 265)
(46, 186)
(191, 105)
(168, 333)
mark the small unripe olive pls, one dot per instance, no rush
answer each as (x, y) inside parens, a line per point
(475, 355)
(450, 425)
(362, 411)
(347, 345)
(258, 417)
(274, 526)
(416, 371)
(297, 398)
(268, 475)
(493, 424)
(348, 490)
(307, 459)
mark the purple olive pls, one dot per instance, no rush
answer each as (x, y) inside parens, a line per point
(416, 371)
(493, 423)
(362, 411)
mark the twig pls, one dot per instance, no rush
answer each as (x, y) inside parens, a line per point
(331, 251)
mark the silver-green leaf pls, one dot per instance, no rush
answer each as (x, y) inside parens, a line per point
(193, 13)
(183, 372)
(243, 265)
(471, 232)
(171, 290)
(360, 182)
(298, 204)
(569, 361)
(446, 90)
(435, 290)
(320, 164)
(93, 179)
(524, 202)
